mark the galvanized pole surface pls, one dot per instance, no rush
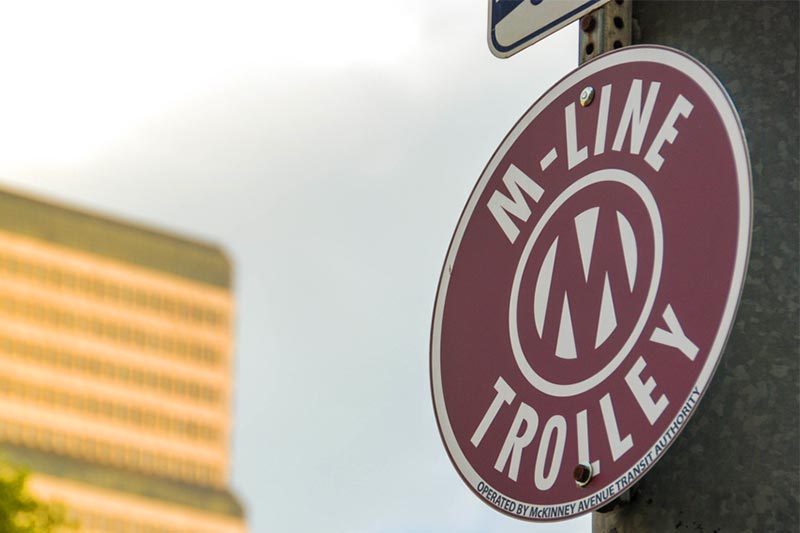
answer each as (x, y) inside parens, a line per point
(736, 466)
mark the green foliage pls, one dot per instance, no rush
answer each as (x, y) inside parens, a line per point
(20, 512)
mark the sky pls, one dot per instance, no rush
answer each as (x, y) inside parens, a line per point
(329, 147)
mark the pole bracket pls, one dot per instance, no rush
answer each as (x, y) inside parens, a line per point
(606, 29)
(620, 501)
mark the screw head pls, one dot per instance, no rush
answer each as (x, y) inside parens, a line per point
(587, 95)
(582, 474)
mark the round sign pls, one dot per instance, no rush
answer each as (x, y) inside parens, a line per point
(591, 284)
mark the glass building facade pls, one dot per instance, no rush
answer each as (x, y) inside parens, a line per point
(116, 355)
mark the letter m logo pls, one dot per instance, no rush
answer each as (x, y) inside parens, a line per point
(502, 207)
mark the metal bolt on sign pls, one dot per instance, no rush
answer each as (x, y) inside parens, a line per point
(606, 29)
(582, 474)
(587, 96)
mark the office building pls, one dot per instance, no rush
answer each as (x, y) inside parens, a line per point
(116, 357)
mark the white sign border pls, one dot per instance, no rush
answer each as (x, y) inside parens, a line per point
(727, 110)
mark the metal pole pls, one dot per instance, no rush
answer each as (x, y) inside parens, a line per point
(736, 466)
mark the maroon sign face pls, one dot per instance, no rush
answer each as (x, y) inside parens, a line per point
(591, 283)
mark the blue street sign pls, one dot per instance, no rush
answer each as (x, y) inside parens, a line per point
(517, 24)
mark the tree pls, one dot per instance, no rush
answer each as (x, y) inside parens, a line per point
(20, 512)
